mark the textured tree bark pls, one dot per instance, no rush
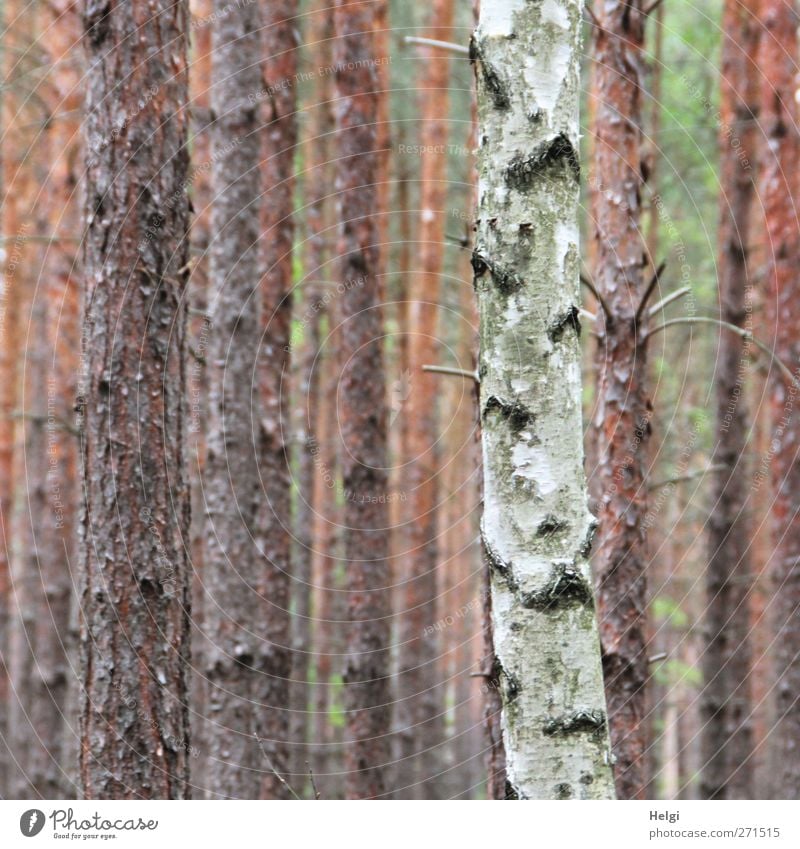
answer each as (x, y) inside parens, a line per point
(778, 184)
(420, 702)
(232, 493)
(536, 525)
(622, 411)
(135, 584)
(362, 406)
(726, 704)
(274, 660)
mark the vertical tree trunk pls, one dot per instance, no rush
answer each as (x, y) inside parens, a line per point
(135, 590)
(622, 419)
(232, 490)
(781, 159)
(274, 661)
(362, 406)
(536, 525)
(420, 702)
(726, 703)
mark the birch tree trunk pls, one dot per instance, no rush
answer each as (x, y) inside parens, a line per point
(135, 584)
(536, 525)
(778, 183)
(727, 720)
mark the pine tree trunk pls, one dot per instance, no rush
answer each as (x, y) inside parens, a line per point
(232, 490)
(726, 706)
(274, 659)
(135, 586)
(362, 405)
(536, 525)
(622, 418)
(420, 701)
(781, 160)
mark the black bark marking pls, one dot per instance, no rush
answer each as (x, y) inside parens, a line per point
(569, 319)
(524, 171)
(591, 722)
(495, 84)
(504, 569)
(566, 586)
(550, 526)
(518, 416)
(506, 281)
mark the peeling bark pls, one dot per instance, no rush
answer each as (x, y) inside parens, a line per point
(545, 634)
(622, 420)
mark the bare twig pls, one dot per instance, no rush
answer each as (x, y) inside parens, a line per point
(651, 8)
(458, 372)
(689, 476)
(586, 314)
(665, 302)
(272, 768)
(656, 657)
(585, 281)
(434, 42)
(649, 290)
(745, 334)
(313, 783)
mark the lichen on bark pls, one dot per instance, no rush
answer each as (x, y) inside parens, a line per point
(554, 716)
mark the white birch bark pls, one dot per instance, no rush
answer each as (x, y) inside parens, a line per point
(536, 524)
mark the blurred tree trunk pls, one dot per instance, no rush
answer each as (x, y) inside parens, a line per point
(362, 407)
(274, 660)
(726, 704)
(779, 167)
(232, 493)
(420, 701)
(46, 725)
(622, 417)
(316, 187)
(536, 525)
(135, 586)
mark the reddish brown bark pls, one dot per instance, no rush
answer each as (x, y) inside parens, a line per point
(135, 583)
(780, 161)
(622, 415)
(726, 704)
(362, 405)
(420, 701)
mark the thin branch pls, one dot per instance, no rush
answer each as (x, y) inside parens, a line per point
(665, 302)
(651, 8)
(698, 473)
(38, 419)
(586, 314)
(458, 372)
(592, 17)
(434, 42)
(313, 783)
(272, 768)
(734, 329)
(585, 281)
(656, 657)
(649, 290)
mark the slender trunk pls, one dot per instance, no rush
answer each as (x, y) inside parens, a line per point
(536, 525)
(622, 418)
(781, 159)
(135, 586)
(726, 703)
(363, 406)
(420, 702)
(274, 660)
(232, 493)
